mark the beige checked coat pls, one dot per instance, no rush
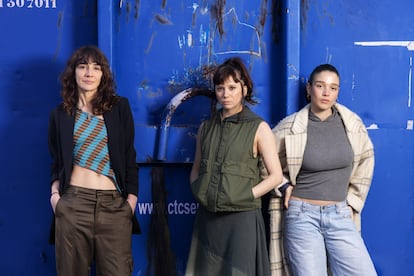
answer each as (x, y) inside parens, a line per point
(291, 135)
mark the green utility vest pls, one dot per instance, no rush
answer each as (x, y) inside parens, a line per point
(228, 169)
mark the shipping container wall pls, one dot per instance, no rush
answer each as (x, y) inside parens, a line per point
(162, 54)
(36, 39)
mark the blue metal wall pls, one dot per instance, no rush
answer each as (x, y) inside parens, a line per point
(36, 39)
(158, 49)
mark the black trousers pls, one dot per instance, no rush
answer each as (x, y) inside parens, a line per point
(93, 227)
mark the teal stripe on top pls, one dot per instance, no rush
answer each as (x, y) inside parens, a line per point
(90, 149)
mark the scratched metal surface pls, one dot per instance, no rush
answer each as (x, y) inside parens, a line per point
(160, 48)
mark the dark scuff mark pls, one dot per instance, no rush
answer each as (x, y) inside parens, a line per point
(304, 13)
(217, 14)
(59, 37)
(329, 16)
(162, 19)
(193, 19)
(60, 19)
(164, 3)
(150, 42)
(277, 20)
(199, 77)
(128, 10)
(263, 13)
(136, 9)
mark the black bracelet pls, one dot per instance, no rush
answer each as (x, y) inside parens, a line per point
(282, 189)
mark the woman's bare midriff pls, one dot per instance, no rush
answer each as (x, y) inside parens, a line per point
(315, 202)
(86, 178)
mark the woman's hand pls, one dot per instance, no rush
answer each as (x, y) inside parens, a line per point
(132, 201)
(352, 212)
(54, 198)
(288, 194)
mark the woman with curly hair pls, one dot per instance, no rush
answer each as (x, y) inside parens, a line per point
(94, 175)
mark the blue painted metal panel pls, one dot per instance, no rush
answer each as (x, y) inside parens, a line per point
(36, 39)
(160, 49)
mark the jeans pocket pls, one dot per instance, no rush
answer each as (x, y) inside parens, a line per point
(346, 212)
(292, 212)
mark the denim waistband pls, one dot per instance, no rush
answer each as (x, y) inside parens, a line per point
(317, 208)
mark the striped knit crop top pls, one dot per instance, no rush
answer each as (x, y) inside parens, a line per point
(90, 144)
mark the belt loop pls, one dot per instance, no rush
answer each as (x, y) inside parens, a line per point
(338, 207)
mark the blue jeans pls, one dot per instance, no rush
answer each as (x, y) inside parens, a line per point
(316, 236)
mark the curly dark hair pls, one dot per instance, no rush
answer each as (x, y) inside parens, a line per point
(106, 95)
(235, 68)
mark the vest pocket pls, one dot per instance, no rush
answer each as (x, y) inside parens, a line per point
(200, 185)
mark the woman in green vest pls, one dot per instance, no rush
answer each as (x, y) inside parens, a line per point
(229, 234)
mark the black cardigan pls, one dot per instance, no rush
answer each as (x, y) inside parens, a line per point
(121, 130)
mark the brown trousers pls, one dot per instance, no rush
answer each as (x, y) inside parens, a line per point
(93, 227)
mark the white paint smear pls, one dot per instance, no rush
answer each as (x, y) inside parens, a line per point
(373, 126)
(410, 76)
(410, 124)
(408, 44)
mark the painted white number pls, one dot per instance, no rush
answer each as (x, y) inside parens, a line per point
(29, 4)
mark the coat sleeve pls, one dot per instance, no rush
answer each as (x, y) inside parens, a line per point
(53, 146)
(362, 171)
(131, 179)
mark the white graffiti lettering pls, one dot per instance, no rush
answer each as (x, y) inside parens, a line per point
(28, 4)
(173, 208)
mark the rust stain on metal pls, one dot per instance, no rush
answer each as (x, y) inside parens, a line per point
(199, 92)
(136, 9)
(263, 13)
(60, 19)
(217, 13)
(304, 12)
(150, 42)
(193, 19)
(128, 10)
(59, 40)
(162, 19)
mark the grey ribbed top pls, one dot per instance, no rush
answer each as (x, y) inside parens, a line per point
(327, 160)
